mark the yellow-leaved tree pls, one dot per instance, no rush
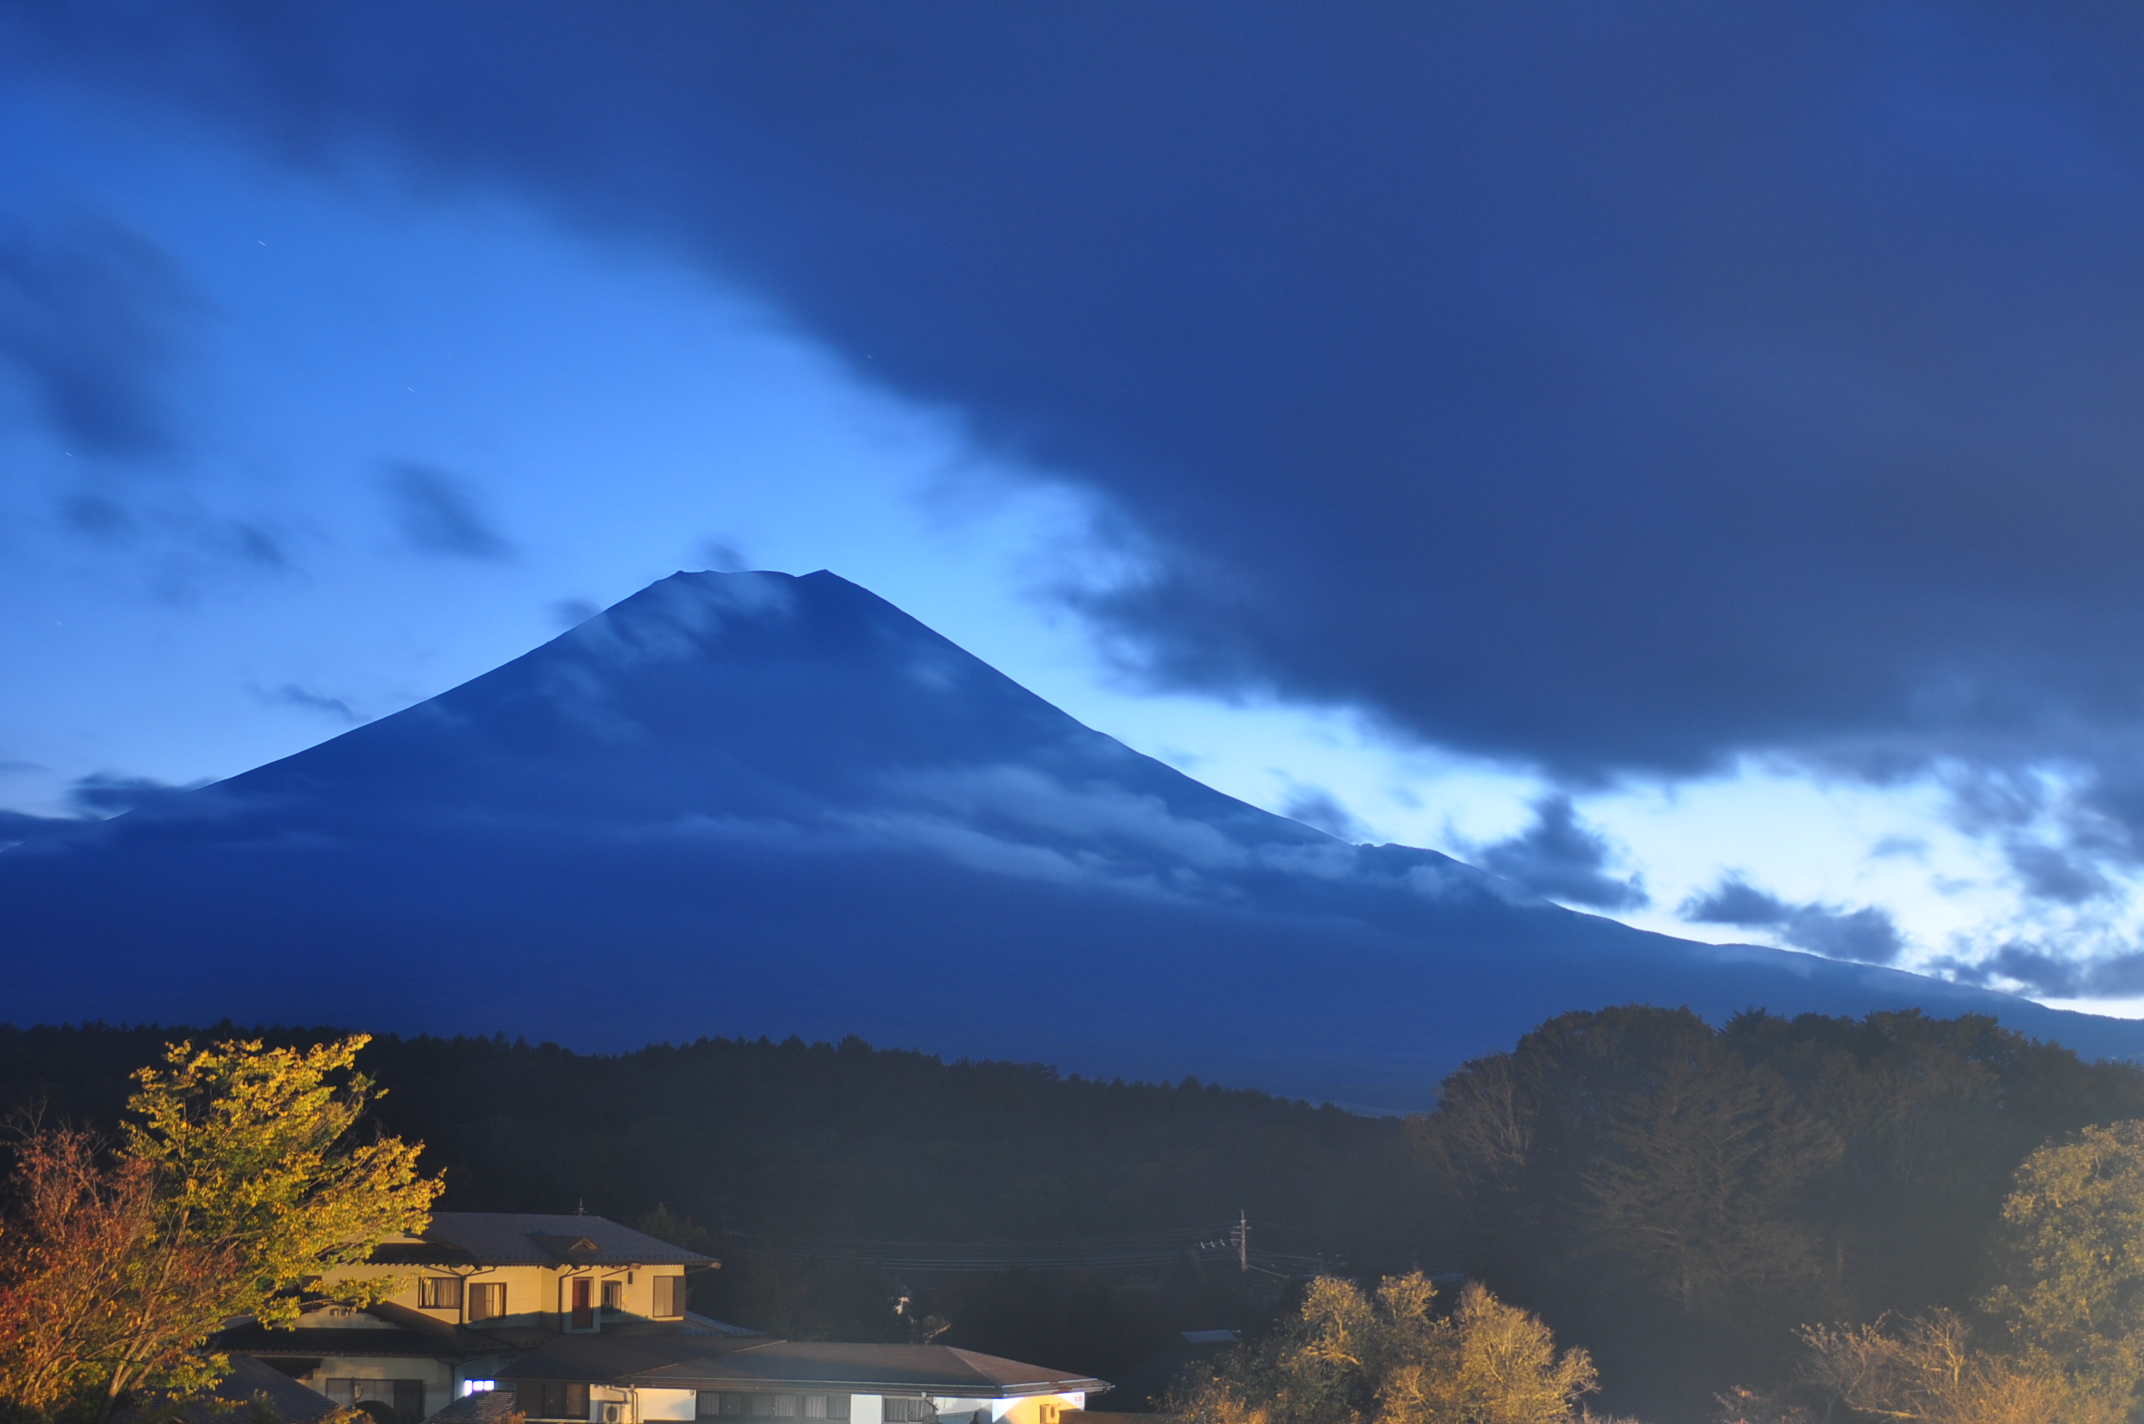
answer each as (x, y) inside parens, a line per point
(2073, 1257)
(1388, 1357)
(243, 1177)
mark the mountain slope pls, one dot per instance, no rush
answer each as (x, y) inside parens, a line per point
(751, 803)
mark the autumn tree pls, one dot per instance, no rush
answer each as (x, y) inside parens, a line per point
(1390, 1358)
(97, 1295)
(1927, 1371)
(2073, 1254)
(242, 1177)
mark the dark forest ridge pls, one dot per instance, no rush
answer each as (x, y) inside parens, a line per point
(750, 803)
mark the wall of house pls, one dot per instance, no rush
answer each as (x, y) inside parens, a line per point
(534, 1294)
(682, 1404)
(440, 1381)
(1033, 1409)
(668, 1403)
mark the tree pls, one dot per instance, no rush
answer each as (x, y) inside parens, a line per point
(1925, 1371)
(93, 1291)
(239, 1182)
(1697, 1189)
(2073, 1252)
(1389, 1358)
(252, 1149)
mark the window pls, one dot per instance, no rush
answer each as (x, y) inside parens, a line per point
(614, 1295)
(669, 1295)
(391, 1401)
(908, 1411)
(487, 1300)
(774, 1406)
(551, 1399)
(440, 1292)
(826, 1406)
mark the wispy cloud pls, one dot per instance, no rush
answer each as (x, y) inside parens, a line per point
(1316, 807)
(1564, 859)
(290, 694)
(109, 794)
(1867, 934)
(439, 513)
(90, 312)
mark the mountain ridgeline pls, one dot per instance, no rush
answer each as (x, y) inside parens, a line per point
(747, 804)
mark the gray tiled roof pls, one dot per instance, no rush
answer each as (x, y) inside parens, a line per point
(689, 1362)
(490, 1406)
(513, 1238)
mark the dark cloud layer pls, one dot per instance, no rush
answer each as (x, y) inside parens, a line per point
(1562, 858)
(1611, 387)
(1867, 934)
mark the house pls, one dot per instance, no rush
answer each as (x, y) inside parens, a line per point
(484, 1288)
(585, 1320)
(641, 1379)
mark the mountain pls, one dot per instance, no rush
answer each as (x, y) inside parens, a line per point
(751, 803)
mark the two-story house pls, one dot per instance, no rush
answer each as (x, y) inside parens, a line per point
(580, 1320)
(483, 1288)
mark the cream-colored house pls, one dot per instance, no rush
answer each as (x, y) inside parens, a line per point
(484, 1288)
(579, 1320)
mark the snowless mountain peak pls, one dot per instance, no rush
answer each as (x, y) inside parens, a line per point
(757, 803)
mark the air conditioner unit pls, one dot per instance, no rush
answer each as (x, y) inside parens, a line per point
(615, 1413)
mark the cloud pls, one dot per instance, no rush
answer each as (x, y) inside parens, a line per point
(723, 556)
(2115, 976)
(2052, 873)
(90, 314)
(1622, 393)
(106, 794)
(1867, 934)
(1561, 858)
(572, 612)
(1316, 807)
(292, 695)
(438, 514)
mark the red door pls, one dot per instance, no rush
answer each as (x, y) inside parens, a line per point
(584, 1315)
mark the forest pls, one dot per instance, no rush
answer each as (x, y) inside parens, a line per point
(1680, 1200)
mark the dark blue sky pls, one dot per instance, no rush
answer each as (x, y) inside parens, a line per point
(1684, 456)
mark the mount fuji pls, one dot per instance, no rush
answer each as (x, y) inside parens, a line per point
(753, 803)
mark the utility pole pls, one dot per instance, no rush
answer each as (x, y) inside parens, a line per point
(1242, 1233)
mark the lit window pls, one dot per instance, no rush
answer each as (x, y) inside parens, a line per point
(470, 1387)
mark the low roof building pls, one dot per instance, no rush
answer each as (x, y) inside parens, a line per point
(586, 1320)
